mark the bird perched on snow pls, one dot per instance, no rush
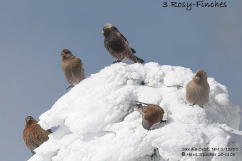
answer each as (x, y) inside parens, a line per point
(197, 90)
(72, 68)
(117, 45)
(33, 134)
(151, 114)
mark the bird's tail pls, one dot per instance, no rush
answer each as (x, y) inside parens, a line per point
(138, 60)
(142, 103)
(133, 58)
(138, 107)
(49, 130)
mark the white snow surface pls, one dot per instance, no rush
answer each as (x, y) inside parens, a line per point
(96, 120)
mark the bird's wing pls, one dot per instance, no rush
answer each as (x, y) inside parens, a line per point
(124, 38)
(153, 113)
(40, 135)
(126, 41)
(192, 92)
(77, 69)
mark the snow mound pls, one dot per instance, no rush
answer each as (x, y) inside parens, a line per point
(97, 122)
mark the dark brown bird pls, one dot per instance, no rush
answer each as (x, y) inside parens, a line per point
(33, 134)
(197, 90)
(151, 114)
(117, 45)
(72, 68)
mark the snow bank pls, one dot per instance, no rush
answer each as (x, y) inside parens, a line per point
(97, 122)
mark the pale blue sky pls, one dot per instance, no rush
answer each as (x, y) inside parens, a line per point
(34, 32)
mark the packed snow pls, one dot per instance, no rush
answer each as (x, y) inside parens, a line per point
(96, 120)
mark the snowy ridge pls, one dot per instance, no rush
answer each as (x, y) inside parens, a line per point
(96, 120)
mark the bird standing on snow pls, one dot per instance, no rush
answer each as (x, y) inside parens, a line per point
(151, 114)
(33, 134)
(72, 68)
(197, 90)
(117, 45)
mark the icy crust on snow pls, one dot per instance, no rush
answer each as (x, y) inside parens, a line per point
(97, 122)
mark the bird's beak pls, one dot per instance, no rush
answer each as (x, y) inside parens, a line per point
(102, 32)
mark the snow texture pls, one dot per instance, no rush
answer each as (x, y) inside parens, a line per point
(96, 120)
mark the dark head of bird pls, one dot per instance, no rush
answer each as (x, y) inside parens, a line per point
(29, 119)
(66, 53)
(200, 76)
(109, 29)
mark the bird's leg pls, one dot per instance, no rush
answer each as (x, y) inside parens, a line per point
(117, 61)
(70, 86)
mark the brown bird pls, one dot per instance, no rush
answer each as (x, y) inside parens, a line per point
(117, 45)
(151, 114)
(197, 90)
(72, 68)
(33, 134)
